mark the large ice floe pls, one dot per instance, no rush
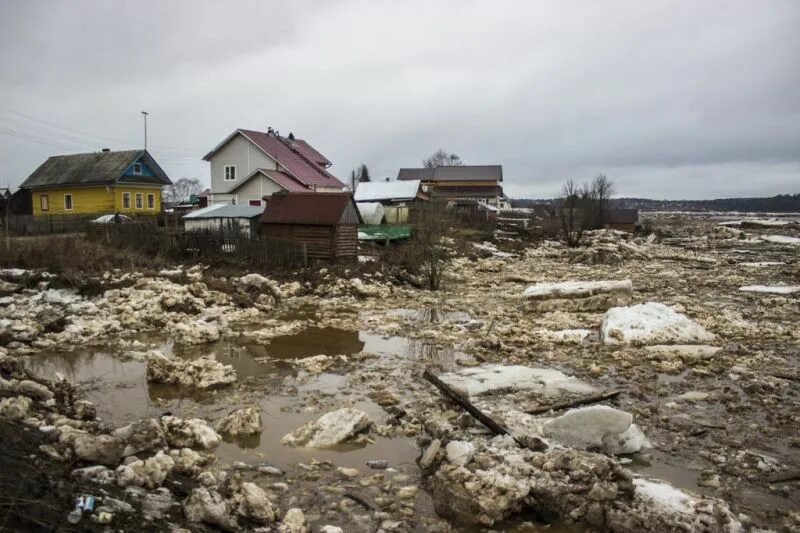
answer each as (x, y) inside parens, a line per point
(578, 295)
(650, 323)
(488, 378)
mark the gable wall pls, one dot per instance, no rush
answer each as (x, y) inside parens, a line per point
(255, 189)
(242, 153)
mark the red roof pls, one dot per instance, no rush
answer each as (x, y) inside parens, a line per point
(312, 208)
(309, 152)
(294, 161)
(284, 180)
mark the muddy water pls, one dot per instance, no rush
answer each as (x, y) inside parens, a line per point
(122, 394)
(119, 388)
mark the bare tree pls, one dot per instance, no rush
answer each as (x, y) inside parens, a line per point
(573, 210)
(182, 189)
(440, 158)
(431, 224)
(601, 190)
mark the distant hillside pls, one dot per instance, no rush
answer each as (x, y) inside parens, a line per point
(782, 203)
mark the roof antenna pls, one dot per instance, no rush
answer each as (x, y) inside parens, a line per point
(144, 114)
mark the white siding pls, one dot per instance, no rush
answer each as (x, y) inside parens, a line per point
(242, 153)
(255, 189)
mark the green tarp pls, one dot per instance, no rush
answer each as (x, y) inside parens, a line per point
(384, 232)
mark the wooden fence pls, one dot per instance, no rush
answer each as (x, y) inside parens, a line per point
(23, 225)
(227, 244)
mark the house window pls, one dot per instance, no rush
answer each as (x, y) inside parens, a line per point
(68, 202)
(151, 201)
(255, 203)
(230, 172)
(139, 201)
(137, 168)
(44, 202)
(126, 200)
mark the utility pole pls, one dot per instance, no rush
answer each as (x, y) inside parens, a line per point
(144, 114)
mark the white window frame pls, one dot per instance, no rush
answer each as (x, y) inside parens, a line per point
(225, 173)
(137, 168)
(126, 200)
(139, 201)
(44, 202)
(71, 204)
(151, 196)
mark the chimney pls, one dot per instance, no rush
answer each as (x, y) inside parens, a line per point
(104, 150)
(270, 131)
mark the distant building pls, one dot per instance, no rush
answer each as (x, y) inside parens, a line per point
(326, 223)
(621, 219)
(127, 182)
(5, 198)
(479, 183)
(222, 216)
(396, 197)
(249, 165)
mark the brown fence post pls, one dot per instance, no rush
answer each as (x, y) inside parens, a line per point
(305, 254)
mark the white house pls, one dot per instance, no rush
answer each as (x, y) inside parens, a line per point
(249, 165)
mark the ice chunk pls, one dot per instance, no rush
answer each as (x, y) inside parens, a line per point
(330, 429)
(631, 440)
(576, 289)
(487, 378)
(781, 239)
(650, 323)
(771, 289)
(587, 427)
(459, 452)
(664, 495)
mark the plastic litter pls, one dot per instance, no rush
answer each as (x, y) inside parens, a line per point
(378, 464)
(88, 503)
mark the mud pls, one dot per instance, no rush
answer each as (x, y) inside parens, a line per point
(722, 419)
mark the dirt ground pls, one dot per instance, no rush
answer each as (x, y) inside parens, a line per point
(722, 415)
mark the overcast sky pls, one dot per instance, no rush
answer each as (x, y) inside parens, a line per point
(670, 99)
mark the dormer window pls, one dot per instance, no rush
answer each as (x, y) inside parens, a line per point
(137, 168)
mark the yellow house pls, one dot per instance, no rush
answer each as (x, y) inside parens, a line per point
(106, 182)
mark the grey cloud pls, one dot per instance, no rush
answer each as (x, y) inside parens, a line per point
(702, 96)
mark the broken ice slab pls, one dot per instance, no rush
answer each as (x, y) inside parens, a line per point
(488, 378)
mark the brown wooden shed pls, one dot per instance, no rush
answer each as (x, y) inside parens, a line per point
(327, 223)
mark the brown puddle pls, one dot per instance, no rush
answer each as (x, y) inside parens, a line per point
(119, 388)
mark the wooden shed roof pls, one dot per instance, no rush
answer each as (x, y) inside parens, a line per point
(311, 208)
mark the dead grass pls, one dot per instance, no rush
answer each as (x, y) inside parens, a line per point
(73, 257)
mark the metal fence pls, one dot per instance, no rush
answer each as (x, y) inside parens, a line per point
(226, 244)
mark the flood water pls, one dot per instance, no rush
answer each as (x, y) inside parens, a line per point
(118, 386)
